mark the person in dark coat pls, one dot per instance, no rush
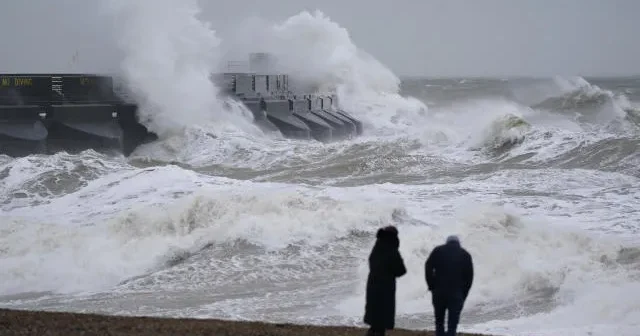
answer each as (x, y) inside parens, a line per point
(449, 275)
(385, 265)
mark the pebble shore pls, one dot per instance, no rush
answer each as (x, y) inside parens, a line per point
(24, 322)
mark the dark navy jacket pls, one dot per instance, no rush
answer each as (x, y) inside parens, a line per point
(449, 270)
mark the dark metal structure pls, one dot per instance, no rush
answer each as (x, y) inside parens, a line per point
(45, 113)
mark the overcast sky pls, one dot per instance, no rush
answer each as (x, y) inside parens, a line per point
(411, 37)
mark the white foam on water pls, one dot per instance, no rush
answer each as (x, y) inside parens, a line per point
(137, 218)
(603, 309)
(140, 219)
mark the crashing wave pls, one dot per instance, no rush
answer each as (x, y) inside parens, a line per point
(505, 133)
(575, 94)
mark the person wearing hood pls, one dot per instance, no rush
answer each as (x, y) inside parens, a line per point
(449, 275)
(385, 265)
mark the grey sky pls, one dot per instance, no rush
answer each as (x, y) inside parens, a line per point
(411, 37)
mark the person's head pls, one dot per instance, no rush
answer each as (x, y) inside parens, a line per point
(389, 234)
(453, 239)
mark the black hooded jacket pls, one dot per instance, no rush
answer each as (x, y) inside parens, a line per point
(385, 265)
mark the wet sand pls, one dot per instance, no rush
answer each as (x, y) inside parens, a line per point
(23, 322)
